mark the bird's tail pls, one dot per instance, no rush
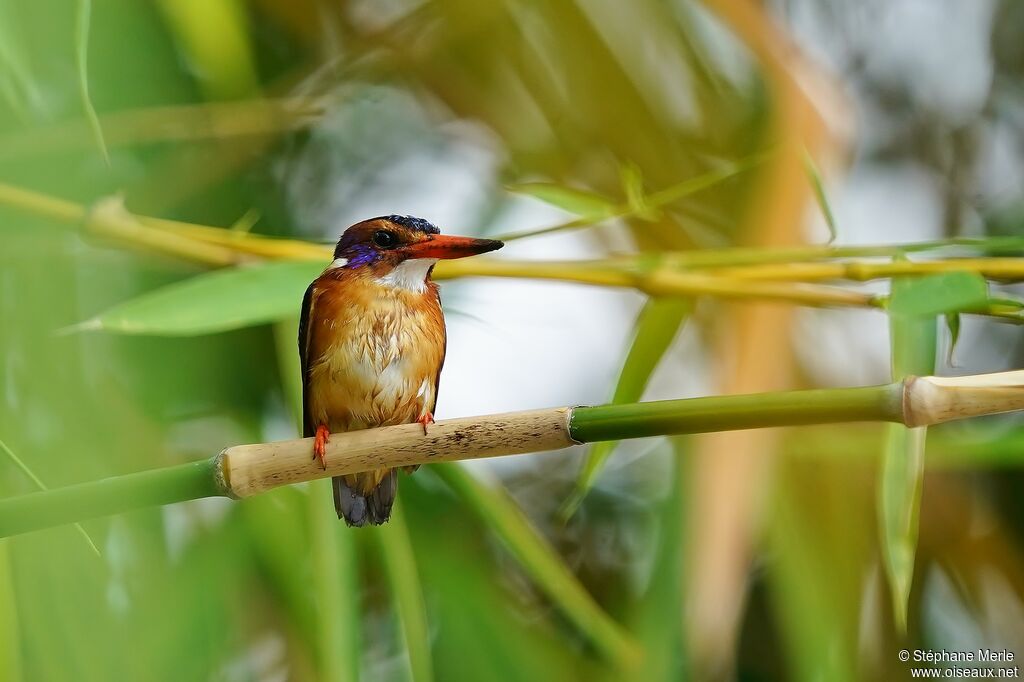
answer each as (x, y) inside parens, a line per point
(360, 504)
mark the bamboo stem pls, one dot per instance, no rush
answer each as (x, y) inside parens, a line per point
(657, 282)
(109, 218)
(253, 469)
(933, 400)
(737, 412)
(245, 470)
(209, 120)
(991, 268)
(107, 496)
(727, 273)
(740, 256)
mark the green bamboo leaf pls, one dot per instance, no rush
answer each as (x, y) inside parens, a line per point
(913, 339)
(933, 295)
(332, 548)
(217, 41)
(400, 566)
(10, 630)
(953, 325)
(653, 616)
(657, 325)
(17, 83)
(213, 302)
(815, 542)
(541, 562)
(587, 205)
(653, 201)
(819, 194)
(286, 334)
(900, 500)
(1011, 303)
(30, 475)
(335, 582)
(468, 605)
(83, 11)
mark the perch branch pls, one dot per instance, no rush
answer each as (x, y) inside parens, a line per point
(245, 470)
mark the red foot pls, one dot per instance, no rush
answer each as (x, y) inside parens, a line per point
(425, 418)
(323, 436)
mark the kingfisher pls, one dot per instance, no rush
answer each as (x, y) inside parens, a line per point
(372, 342)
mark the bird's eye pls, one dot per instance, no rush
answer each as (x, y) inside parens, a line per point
(384, 239)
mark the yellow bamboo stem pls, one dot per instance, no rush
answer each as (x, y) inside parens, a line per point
(108, 218)
(665, 282)
(657, 282)
(669, 275)
(991, 268)
(252, 244)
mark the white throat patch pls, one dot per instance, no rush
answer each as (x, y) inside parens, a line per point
(410, 275)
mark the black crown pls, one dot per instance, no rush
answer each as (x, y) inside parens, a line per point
(414, 223)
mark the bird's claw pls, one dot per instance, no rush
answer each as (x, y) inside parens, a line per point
(323, 436)
(424, 419)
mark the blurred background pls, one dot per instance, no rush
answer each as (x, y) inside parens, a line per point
(752, 556)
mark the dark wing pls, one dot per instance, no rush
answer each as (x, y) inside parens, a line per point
(308, 429)
(440, 365)
(444, 349)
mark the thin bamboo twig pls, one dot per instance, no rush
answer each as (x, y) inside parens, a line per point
(658, 282)
(246, 470)
(252, 244)
(654, 200)
(991, 268)
(739, 256)
(615, 270)
(200, 243)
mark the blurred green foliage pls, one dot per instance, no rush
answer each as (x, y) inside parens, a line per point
(220, 111)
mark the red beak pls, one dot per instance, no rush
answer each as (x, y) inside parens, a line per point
(446, 246)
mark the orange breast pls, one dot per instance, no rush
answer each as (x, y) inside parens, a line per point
(375, 352)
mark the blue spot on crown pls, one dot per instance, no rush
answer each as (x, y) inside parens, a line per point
(413, 223)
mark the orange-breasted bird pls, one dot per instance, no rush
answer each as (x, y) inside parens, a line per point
(372, 343)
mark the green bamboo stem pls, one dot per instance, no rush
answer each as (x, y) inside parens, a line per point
(246, 470)
(206, 478)
(177, 123)
(540, 560)
(107, 496)
(399, 561)
(332, 563)
(736, 412)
